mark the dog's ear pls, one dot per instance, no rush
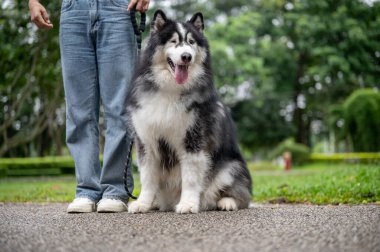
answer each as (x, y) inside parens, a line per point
(159, 21)
(197, 21)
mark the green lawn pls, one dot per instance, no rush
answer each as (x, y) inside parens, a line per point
(319, 184)
(315, 183)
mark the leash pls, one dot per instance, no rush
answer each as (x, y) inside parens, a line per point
(138, 29)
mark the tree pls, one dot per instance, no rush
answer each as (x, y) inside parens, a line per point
(307, 54)
(31, 92)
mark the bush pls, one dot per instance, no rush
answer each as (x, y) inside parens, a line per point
(362, 120)
(41, 166)
(300, 153)
(346, 157)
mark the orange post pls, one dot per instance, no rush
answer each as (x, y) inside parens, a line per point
(287, 160)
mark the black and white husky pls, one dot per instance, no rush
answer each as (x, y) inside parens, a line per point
(188, 156)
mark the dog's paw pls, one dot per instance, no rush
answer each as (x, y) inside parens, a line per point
(139, 207)
(227, 204)
(186, 207)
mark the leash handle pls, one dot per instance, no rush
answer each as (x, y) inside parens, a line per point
(138, 28)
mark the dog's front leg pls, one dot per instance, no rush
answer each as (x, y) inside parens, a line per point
(149, 178)
(193, 168)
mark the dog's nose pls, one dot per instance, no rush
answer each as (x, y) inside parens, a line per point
(186, 57)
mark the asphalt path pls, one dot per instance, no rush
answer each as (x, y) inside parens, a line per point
(47, 227)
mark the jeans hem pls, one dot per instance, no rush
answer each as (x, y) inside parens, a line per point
(117, 197)
(86, 196)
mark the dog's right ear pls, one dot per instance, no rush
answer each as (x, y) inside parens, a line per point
(159, 21)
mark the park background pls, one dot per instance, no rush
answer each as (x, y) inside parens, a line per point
(299, 76)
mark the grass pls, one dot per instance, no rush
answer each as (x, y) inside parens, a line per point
(319, 184)
(314, 183)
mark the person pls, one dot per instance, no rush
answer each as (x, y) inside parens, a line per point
(98, 53)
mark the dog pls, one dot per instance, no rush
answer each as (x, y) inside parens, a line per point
(188, 156)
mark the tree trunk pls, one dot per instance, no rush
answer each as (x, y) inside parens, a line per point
(298, 120)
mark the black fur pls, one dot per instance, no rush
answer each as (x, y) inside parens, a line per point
(168, 156)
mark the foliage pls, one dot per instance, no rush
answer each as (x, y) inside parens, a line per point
(31, 90)
(346, 157)
(300, 153)
(309, 53)
(279, 64)
(362, 119)
(259, 126)
(37, 166)
(42, 166)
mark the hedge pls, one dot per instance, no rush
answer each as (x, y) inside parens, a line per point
(300, 153)
(365, 157)
(40, 166)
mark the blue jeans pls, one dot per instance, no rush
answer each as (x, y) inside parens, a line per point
(98, 53)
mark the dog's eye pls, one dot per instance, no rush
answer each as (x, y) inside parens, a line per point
(191, 41)
(173, 41)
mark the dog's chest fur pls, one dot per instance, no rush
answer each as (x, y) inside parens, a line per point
(162, 116)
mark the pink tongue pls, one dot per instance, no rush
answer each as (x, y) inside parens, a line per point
(180, 73)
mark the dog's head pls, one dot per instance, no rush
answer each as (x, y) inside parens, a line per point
(180, 48)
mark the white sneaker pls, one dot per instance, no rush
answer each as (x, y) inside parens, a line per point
(111, 206)
(81, 205)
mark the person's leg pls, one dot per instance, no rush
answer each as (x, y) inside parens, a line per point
(79, 68)
(116, 55)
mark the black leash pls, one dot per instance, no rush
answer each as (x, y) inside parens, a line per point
(138, 29)
(129, 162)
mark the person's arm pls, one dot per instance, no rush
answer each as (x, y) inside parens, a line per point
(141, 5)
(38, 15)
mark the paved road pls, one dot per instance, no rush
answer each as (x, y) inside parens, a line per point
(47, 227)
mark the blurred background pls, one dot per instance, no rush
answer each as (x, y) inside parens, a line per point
(301, 77)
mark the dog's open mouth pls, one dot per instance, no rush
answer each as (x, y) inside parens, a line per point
(180, 71)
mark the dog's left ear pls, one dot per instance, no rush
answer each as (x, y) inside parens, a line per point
(197, 21)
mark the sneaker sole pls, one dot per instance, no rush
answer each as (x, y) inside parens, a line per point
(111, 210)
(81, 210)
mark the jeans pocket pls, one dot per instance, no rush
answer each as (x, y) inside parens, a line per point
(120, 3)
(66, 5)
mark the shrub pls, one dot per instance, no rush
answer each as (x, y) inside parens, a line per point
(346, 157)
(36, 166)
(362, 120)
(300, 153)
(40, 166)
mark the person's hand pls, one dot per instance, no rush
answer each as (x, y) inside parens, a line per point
(141, 5)
(38, 15)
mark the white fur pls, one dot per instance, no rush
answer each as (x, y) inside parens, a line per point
(221, 110)
(227, 204)
(162, 115)
(181, 29)
(149, 177)
(193, 171)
